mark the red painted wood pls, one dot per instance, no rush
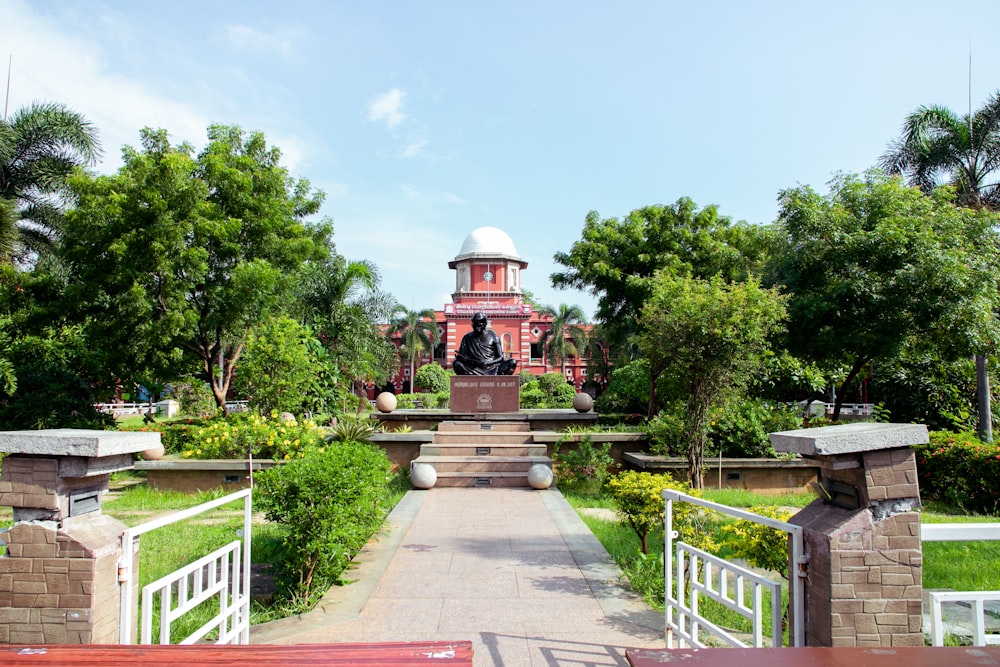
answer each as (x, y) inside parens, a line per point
(416, 654)
(952, 656)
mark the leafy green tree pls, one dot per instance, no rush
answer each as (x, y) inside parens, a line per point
(874, 264)
(567, 337)
(939, 146)
(40, 146)
(343, 303)
(709, 336)
(277, 369)
(417, 331)
(617, 260)
(176, 258)
(432, 377)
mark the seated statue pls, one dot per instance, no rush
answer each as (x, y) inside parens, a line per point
(481, 352)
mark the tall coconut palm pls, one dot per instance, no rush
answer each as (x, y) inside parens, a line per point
(417, 331)
(939, 146)
(40, 146)
(568, 334)
(342, 301)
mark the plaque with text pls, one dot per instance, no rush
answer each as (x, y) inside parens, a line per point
(485, 393)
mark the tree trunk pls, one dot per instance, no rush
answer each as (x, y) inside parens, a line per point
(985, 429)
(855, 370)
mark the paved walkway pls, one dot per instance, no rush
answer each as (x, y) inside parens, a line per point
(513, 570)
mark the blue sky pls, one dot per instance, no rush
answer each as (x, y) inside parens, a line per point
(424, 120)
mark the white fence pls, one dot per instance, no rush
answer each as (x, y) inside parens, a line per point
(224, 573)
(974, 602)
(701, 574)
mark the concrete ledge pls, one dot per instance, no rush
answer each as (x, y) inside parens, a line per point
(87, 443)
(555, 436)
(849, 438)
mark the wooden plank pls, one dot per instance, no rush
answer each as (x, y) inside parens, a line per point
(415, 654)
(902, 656)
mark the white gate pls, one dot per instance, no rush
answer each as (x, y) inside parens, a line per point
(975, 602)
(224, 573)
(699, 574)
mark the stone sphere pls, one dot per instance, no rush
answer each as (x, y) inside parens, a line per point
(153, 453)
(583, 402)
(385, 402)
(423, 476)
(540, 476)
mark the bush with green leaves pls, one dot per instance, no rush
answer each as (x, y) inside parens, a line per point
(175, 436)
(330, 502)
(242, 435)
(960, 470)
(195, 397)
(638, 498)
(581, 466)
(432, 377)
(741, 428)
(548, 391)
(278, 369)
(759, 545)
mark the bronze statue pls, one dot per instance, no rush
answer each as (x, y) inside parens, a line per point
(481, 352)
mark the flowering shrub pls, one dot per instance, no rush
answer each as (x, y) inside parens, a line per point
(638, 497)
(241, 435)
(961, 470)
(759, 545)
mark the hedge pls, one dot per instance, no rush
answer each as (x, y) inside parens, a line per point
(961, 470)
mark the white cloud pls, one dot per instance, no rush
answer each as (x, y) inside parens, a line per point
(414, 149)
(388, 107)
(251, 39)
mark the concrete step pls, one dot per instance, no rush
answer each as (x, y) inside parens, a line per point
(489, 480)
(483, 449)
(475, 437)
(483, 464)
(483, 426)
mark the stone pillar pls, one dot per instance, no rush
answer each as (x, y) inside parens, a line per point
(862, 535)
(59, 577)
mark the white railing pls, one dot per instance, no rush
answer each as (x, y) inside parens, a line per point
(975, 601)
(224, 573)
(726, 583)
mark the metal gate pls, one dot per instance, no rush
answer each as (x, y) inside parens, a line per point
(691, 574)
(223, 574)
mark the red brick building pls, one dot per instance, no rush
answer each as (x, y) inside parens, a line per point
(488, 279)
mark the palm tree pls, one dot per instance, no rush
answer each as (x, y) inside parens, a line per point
(417, 332)
(939, 147)
(567, 336)
(40, 146)
(342, 301)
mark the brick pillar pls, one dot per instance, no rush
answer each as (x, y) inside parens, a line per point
(863, 535)
(59, 576)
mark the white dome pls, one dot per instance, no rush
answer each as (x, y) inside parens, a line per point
(488, 242)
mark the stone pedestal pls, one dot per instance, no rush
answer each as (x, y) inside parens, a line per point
(863, 535)
(59, 577)
(485, 393)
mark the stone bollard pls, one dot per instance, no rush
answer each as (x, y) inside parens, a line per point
(862, 535)
(59, 577)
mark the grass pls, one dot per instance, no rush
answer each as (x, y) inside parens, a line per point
(963, 566)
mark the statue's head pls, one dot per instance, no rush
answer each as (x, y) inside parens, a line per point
(479, 322)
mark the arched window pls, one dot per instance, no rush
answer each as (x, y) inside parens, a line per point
(508, 342)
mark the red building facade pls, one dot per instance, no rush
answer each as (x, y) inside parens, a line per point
(488, 279)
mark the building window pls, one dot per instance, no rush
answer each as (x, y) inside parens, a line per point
(508, 342)
(536, 351)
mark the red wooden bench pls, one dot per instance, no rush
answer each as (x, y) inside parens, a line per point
(417, 654)
(901, 656)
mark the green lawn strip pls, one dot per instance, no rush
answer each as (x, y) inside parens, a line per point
(963, 566)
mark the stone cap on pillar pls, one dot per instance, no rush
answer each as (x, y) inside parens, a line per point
(848, 438)
(77, 442)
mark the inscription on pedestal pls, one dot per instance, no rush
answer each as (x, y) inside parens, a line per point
(485, 393)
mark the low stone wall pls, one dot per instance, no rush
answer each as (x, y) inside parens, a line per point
(768, 476)
(191, 475)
